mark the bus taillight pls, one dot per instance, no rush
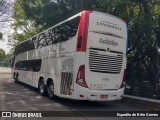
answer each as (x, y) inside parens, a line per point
(81, 77)
(123, 20)
(124, 79)
(83, 31)
(90, 11)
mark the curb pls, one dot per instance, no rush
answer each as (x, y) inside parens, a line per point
(142, 98)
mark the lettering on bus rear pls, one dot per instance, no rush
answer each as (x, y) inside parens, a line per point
(107, 41)
(110, 25)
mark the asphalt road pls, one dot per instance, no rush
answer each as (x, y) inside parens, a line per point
(20, 97)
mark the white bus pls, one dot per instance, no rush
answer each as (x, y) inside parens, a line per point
(82, 58)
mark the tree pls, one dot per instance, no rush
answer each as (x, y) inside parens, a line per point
(5, 12)
(2, 54)
(31, 17)
(144, 40)
(5, 15)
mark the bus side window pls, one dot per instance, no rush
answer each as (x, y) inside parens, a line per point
(29, 45)
(57, 35)
(16, 66)
(52, 36)
(42, 40)
(34, 41)
(37, 65)
(71, 28)
(23, 65)
(19, 65)
(63, 33)
(30, 65)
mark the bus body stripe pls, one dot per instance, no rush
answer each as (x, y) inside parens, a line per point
(83, 31)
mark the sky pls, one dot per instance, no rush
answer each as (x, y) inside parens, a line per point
(6, 31)
(4, 46)
(5, 28)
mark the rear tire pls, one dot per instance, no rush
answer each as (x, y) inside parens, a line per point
(42, 87)
(50, 89)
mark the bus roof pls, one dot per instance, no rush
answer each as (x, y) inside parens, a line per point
(70, 18)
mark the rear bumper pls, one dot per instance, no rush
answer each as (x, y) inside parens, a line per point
(82, 93)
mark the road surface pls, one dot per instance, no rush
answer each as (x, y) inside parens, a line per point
(20, 97)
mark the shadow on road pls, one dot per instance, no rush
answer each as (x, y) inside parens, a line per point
(24, 97)
(77, 104)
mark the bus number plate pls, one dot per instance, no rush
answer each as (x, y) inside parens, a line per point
(103, 96)
(97, 86)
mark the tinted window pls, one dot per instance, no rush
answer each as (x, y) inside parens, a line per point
(54, 35)
(66, 30)
(17, 66)
(58, 34)
(29, 65)
(37, 65)
(23, 47)
(29, 45)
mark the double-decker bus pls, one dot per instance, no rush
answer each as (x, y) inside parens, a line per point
(82, 58)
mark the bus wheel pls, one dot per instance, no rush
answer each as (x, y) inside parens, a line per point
(42, 87)
(50, 89)
(17, 78)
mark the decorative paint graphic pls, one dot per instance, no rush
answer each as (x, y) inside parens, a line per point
(68, 64)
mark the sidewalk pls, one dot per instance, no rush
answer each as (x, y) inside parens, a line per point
(149, 106)
(5, 70)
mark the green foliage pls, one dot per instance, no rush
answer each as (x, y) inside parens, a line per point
(2, 52)
(2, 55)
(32, 17)
(4, 59)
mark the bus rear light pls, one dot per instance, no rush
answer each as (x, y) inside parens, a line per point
(79, 42)
(124, 75)
(81, 77)
(90, 11)
(124, 79)
(123, 20)
(83, 31)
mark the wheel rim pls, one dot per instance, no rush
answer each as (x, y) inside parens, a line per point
(41, 87)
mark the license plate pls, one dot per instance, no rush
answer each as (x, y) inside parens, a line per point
(103, 96)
